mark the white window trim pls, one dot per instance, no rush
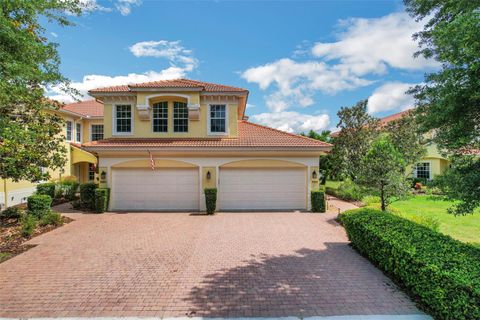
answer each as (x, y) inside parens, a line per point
(76, 131)
(168, 119)
(91, 131)
(173, 119)
(429, 168)
(227, 127)
(72, 133)
(114, 117)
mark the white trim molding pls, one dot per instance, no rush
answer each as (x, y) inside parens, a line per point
(114, 118)
(227, 122)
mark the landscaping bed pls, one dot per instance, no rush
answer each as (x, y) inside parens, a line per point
(440, 273)
(12, 240)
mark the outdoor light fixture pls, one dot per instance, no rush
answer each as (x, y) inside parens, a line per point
(209, 175)
(103, 175)
(314, 174)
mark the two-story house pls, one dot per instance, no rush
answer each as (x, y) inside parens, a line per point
(164, 142)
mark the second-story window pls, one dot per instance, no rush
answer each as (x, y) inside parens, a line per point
(160, 117)
(78, 132)
(218, 118)
(69, 130)
(97, 132)
(180, 117)
(123, 119)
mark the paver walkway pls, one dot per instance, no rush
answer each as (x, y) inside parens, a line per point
(178, 264)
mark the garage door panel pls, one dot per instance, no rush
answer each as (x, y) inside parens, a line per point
(160, 190)
(262, 189)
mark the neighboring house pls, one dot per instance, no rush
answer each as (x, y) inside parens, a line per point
(432, 164)
(165, 141)
(83, 121)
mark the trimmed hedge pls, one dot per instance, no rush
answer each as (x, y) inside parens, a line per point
(87, 195)
(39, 205)
(317, 198)
(211, 199)
(101, 200)
(441, 273)
(47, 188)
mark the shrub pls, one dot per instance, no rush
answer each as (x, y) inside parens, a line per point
(11, 213)
(441, 273)
(371, 200)
(101, 200)
(46, 189)
(348, 190)
(29, 223)
(69, 188)
(77, 205)
(211, 199)
(318, 201)
(38, 204)
(51, 218)
(428, 222)
(87, 195)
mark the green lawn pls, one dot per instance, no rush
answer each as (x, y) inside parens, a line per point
(332, 184)
(463, 228)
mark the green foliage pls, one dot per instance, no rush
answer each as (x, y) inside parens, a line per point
(69, 189)
(12, 213)
(87, 195)
(371, 200)
(101, 200)
(357, 130)
(51, 218)
(448, 101)
(318, 201)
(322, 136)
(442, 274)
(28, 225)
(406, 138)
(211, 199)
(348, 190)
(382, 169)
(38, 205)
(462, 182)
(47, 188)
(29, 63)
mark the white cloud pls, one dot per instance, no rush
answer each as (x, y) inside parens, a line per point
(371, 45)
(291, 121)
(125, 6)
(390, 96)
(97, 81)
(297, 82)
(171, 50)
(92, 5)
(53, 34)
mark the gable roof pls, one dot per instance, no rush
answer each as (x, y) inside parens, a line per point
(250, 135)
(88, 108)
(175, 83)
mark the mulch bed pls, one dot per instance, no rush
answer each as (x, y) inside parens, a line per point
(11, 239)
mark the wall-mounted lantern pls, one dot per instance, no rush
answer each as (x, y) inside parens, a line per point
(103, 176)
(209, 175)
(314, 175)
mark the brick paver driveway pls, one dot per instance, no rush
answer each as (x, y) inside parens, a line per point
(177, 264)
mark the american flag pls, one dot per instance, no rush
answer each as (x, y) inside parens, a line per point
(152, 162)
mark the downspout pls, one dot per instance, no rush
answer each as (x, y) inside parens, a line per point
(5, 193)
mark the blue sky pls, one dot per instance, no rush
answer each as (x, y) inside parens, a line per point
(301, 61)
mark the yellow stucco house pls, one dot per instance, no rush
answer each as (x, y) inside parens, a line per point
(159, 144)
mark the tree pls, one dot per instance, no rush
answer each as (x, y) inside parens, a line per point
(30, 137)
(357, 130)
(406, 138)
(382, 168)
(322, 136)
(448, 102)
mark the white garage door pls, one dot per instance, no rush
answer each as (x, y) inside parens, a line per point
(262, 189)
(159, 190)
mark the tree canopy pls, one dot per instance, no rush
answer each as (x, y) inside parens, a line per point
(30, 132)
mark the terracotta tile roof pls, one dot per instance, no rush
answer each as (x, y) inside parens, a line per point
(176, 83)
(88, 108)
(250, 135)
